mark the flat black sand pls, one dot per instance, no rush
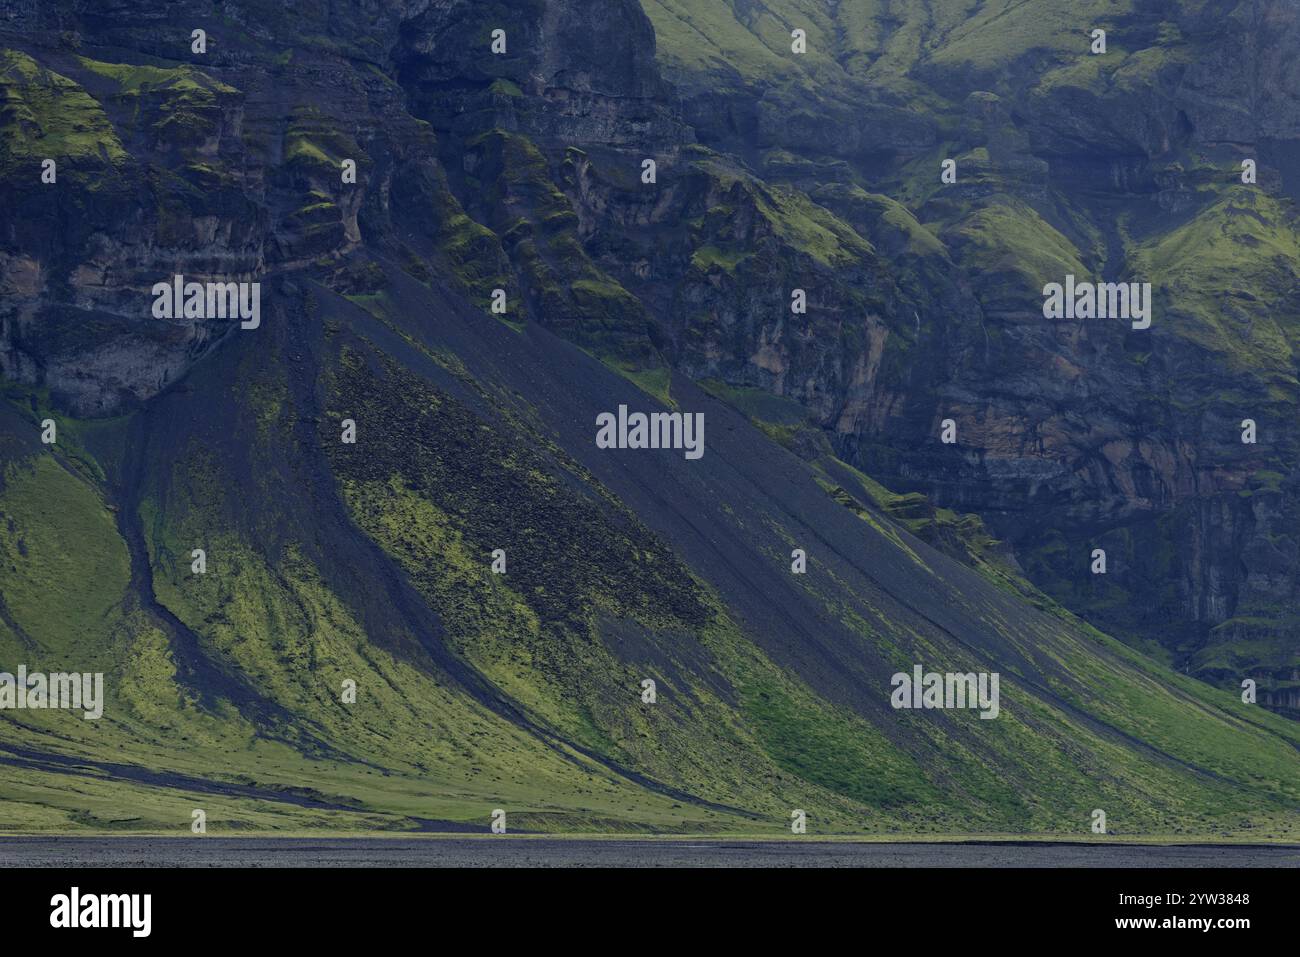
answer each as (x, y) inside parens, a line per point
(576, 852)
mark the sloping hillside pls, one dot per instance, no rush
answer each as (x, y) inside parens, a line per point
(372, 562)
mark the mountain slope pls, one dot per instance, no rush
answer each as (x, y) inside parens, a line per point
(773, 689)
(328, 562)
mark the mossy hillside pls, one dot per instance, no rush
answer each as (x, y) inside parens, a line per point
(67, 583)
(843, 755)
(500, 629)
(1091, 75)
(780, 212)
(656, 381)
(1013, 252)
(564, 675)
(597, 715)
(276, 621)
(66, 607)
(58, 539)
(759, 404)
(566, 558)
(191, 86)
(284, 629)
(44, 115)
(706, 258)
(726, 40)
(885, 222)
(148, 725)
(1003, 31)
(561, 669)
(38, 800)
(710, 40)
(1069, 760)
(1201, 737)
(182, 106)
(1223, 279)
(847, 765)
(909, 52)
(1071, 764)
(811, 229)
(572, 682)
(727, 47)
(1142, 69)
(66, 594)
(1201, 726)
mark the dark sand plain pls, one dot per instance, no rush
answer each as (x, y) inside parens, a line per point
(606, 852)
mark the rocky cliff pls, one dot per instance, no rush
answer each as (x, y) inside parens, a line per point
(776, 171)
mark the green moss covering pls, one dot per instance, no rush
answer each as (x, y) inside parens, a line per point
(187, 84)
(1223, 281)
(705, 258)
(313, 139)
(504, 87)
(46, 115)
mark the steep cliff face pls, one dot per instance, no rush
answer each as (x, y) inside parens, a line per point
(1117, 166)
